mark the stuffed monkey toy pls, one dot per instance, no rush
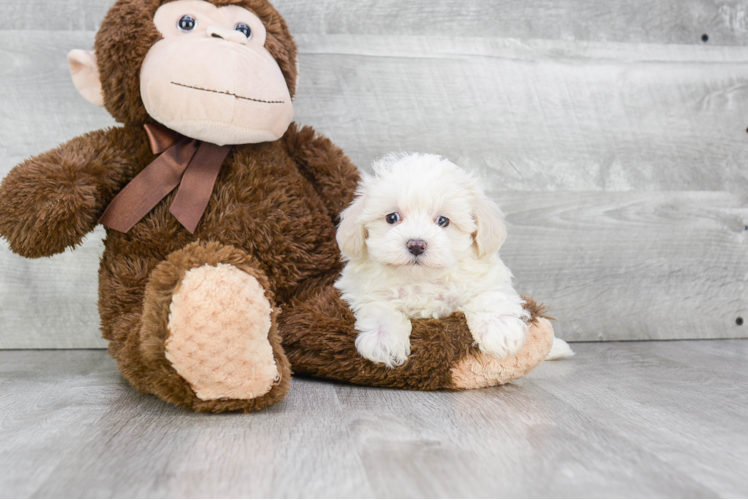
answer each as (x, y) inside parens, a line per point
(220, 254)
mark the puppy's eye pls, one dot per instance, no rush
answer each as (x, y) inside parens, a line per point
(393, 218)
(244, 28)
(442, 221)
(187, 23)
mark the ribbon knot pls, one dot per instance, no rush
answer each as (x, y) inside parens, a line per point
(192, 165)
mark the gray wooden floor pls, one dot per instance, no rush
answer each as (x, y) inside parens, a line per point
(652, 419)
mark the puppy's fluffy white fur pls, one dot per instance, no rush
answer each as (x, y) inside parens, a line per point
(386, 285)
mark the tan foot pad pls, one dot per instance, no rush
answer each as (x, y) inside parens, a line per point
(481, 370)
(218, 334)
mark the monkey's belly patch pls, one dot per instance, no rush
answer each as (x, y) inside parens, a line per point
(218, 334)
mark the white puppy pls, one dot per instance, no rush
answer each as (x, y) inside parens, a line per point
(421, 240)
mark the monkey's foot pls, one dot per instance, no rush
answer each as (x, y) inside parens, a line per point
(218, 327)
(479, 369)
(208, 339)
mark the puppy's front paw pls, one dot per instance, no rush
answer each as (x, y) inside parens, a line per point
(500, 335)
(386, 344)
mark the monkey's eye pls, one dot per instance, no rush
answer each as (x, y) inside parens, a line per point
(442, 221)
(244, 28)
(187, 23)
(393, 218)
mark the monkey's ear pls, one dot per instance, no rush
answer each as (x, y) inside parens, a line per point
(351, 231)
(85, 73)
(489, 219)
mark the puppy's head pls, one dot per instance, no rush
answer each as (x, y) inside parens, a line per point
(420, 211)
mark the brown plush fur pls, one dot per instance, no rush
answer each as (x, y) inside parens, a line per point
(319, 340)
(263, 204)
(147, 365)
(272, 214)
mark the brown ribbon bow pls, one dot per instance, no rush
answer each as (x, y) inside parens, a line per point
(192, 165)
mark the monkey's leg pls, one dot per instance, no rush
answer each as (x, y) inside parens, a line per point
(319, 338)
(207, 339)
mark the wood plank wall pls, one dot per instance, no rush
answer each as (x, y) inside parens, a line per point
(611, 133)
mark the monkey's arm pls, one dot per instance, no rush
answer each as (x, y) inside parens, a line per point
(331, 172)
(51, 201)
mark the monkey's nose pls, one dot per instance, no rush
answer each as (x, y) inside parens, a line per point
(416, 247)
(226, 34)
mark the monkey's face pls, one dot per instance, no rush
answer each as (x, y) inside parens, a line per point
(211, 78)
(212, 70)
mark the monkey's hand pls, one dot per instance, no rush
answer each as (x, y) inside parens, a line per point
(50, 202)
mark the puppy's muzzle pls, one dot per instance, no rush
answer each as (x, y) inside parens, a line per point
(416, 247)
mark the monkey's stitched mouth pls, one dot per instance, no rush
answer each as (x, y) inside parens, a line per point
(226, 93)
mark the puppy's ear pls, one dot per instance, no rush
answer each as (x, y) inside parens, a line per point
(351, 234)
(491, 231)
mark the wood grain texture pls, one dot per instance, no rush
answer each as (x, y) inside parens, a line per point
(635, 419)
(565, 119)
(39, 106)
(537, 115)
(622, 266)
(648, 21)
(528, 116)
(51, 303)
(612, 266)
(46, 302)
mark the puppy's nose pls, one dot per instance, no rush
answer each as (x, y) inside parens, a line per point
(416, 247)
